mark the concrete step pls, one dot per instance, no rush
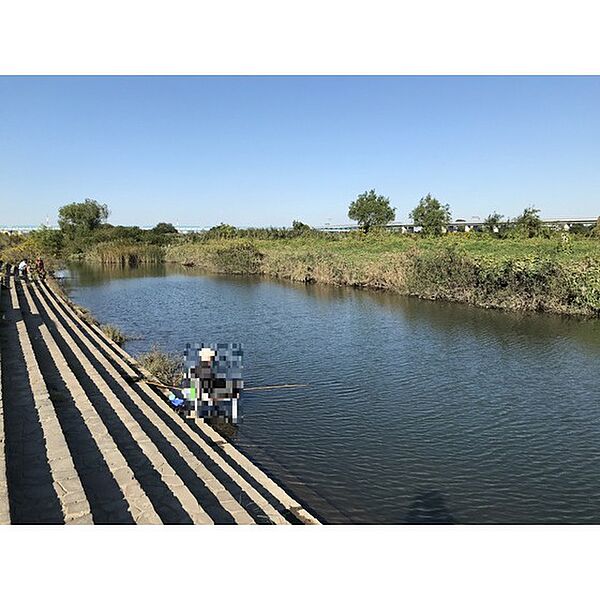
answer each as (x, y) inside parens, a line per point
(4, 503)
(220, 493)
(34, 435)
(138, 504)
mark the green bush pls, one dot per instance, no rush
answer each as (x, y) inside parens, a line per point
(237, 257)
(528, 283)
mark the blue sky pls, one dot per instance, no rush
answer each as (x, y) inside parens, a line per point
(267, 150)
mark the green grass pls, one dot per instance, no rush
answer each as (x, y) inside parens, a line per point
(474, 244)
(554, 274)
(522, 274)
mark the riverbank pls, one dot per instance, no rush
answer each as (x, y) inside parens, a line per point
(559, 274)
(545, 275)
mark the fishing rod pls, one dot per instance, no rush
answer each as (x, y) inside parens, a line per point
(275, 387)
(251, 389)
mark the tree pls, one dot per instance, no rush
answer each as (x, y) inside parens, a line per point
(49, 242)
(82, 217)
(493, 222)
(162, 228)
(298, 228)
(223, 230)
(580, 229)
(432, 216)
(528, 223)
(371, 210)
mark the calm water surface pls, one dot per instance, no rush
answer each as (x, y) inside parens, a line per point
(417, 412)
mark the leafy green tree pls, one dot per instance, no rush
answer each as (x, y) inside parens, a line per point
(596, 229)
(163, 228)
(371, 210)
(48, 242)
(82, 217)
(298, 228)
(222, 230)
(580, 229)
(528, 224)
(493, 220)
(431, 215)
(494, 223)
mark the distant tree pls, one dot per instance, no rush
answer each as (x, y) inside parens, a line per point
(528, 224)
(579, 229)
(299, 228)
(493, 220)
(431, 215)
(162, 228)
(49, 242)
(494, 223)
(371, 210)
(596, 229)
(223, 230)
(82, 216)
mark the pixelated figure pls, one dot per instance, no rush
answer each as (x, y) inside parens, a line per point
(213, 382)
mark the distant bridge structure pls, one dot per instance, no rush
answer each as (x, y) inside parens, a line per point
(458, 225)
(464, 225)
(16, 229)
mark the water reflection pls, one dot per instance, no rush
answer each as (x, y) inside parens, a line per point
(429, 508)
(92, 274)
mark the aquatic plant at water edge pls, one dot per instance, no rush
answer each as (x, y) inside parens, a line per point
(114, 333)
(167, 367)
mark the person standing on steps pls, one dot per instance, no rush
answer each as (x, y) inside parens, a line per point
(23, 269)
(40, 269)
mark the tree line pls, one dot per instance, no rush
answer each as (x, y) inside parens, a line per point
(371, 210)
(83, 225)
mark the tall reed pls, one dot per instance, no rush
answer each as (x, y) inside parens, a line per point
(125, 254)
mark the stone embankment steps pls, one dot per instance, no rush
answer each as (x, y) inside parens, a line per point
(97, 341)
(200, 432)
(157, 461)
(101, 460)
(4, 504)
(49, 488)
(74, 337)
(165, 419)
(102, 446)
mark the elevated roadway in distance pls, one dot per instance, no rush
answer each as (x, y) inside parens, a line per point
(558, 223)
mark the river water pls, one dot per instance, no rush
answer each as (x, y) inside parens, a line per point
(416, 412)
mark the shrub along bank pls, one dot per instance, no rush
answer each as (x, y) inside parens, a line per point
(536, 275)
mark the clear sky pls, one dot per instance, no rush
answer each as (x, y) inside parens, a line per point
(266, 150)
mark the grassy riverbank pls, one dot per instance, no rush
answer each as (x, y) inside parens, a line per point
(519, 274)
(556, 273)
